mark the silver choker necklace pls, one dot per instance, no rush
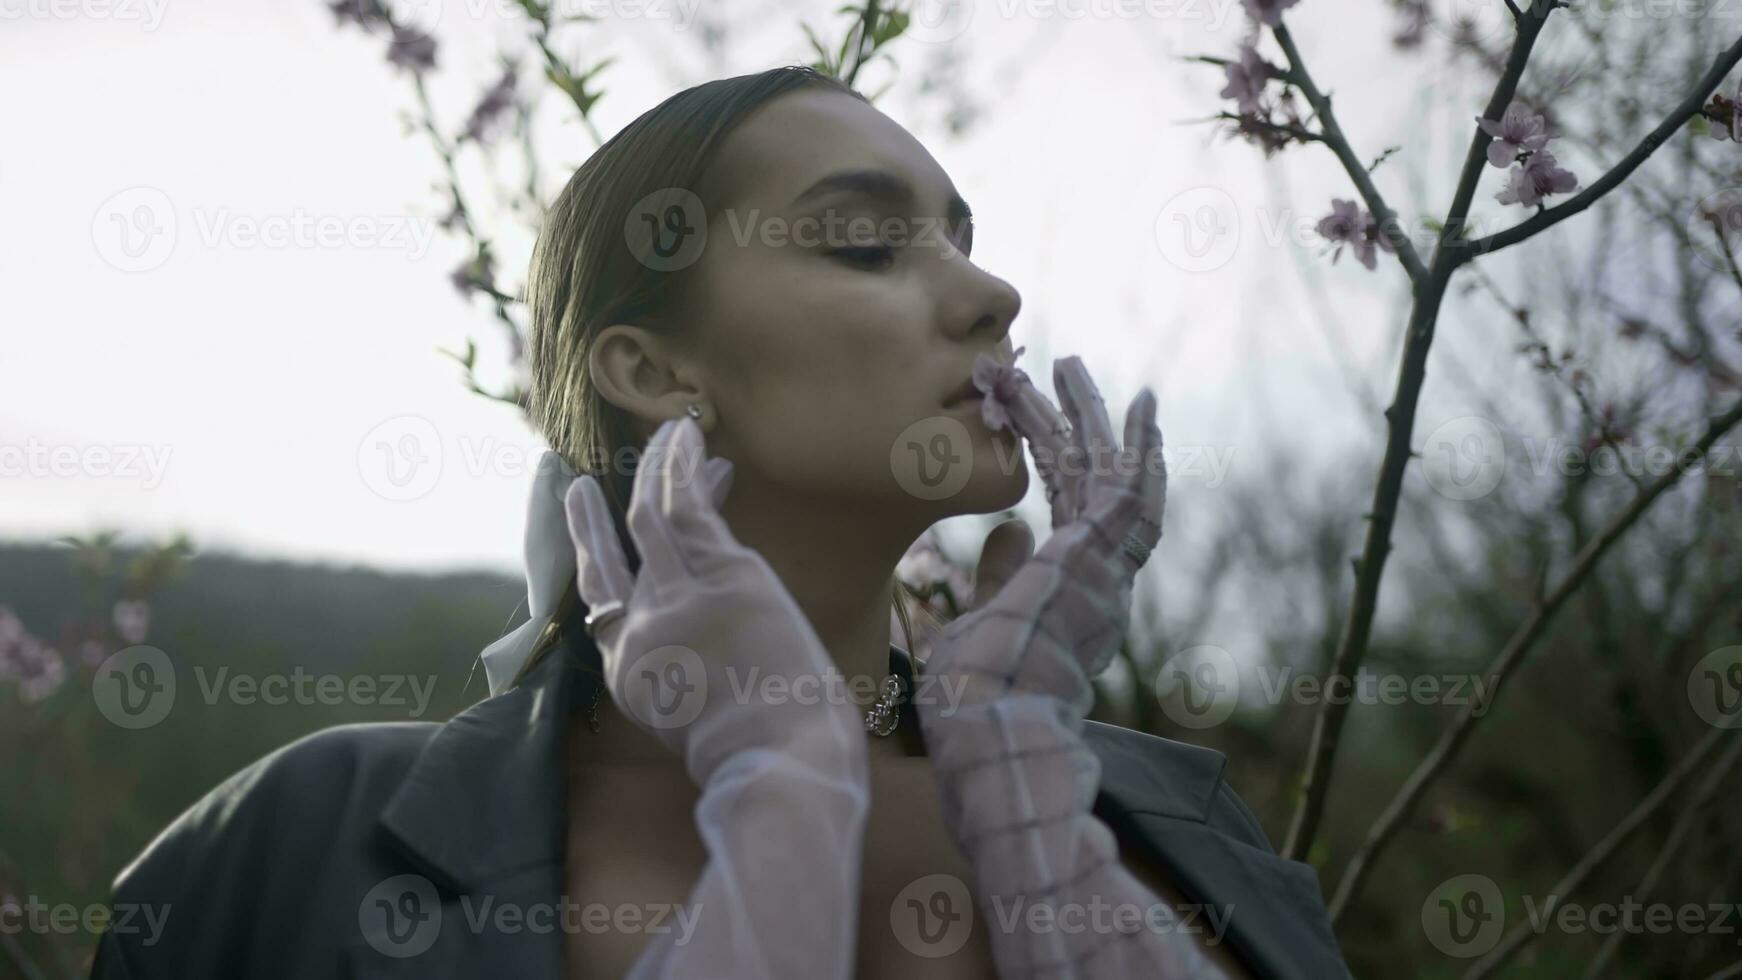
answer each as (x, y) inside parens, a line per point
(885, 714)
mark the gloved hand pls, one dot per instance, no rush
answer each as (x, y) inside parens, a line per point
(785, 787)
(1016, 782)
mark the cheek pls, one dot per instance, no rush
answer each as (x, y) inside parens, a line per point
(820, 368)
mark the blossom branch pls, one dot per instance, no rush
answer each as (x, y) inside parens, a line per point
(1452, 739)
(1282, 74)
(1430, 289)
(1300, 133)
(1334, 138)
(1678, 117)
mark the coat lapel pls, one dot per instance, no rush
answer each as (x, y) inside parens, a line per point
(481, 815)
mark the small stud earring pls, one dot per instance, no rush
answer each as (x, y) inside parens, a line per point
(694, 411)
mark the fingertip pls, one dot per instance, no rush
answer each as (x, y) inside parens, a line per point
(718, 472)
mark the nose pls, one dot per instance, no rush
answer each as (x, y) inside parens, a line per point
(978, 304)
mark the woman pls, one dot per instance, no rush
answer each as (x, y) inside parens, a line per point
(668, 779)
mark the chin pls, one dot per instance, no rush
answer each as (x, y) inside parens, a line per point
(999, 480)
(956, 465)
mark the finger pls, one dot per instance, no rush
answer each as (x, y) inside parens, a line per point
(687, 504)
(1119, 500)
(1006, 550)
(1151, 475)
(717, 472)
(1094, 433)
(648, 525)
(1048, 432)
(601, 570)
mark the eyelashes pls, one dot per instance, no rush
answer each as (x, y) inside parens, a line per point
(867, 257)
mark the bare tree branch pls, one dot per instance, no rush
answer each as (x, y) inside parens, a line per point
(1684, 825)
(1605, 848)
(1452, 740)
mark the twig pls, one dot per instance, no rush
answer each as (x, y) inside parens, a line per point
(1298, 132)
(1339, 144)
(1684, 825)
(1689, 108)
(1518, 937)
(1209, 59)
(867, 25)
(1452, 739)
(1430, 289)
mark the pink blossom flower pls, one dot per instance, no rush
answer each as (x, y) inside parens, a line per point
(1354, 226)
(1519, 131)
(364, 13)
(1724, 116)
(411, 49)
(1535, 179)
(1000, 383)
(36, 667)
(496, 101)
(476, 274)
(1246, 78)
(132, 618)
(1268, 12)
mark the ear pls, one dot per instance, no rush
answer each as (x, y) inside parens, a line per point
(639, 371)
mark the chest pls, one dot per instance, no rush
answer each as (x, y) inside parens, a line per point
(633, 848)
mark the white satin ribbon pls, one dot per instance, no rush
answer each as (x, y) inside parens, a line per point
(550, 567)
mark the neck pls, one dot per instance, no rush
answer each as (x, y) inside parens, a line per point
(840, 570)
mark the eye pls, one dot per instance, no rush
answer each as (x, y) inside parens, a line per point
(866, 257)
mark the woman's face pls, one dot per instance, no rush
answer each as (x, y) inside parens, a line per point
(837, 311)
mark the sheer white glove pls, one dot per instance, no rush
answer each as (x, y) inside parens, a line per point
(1016, 782)
(785, 787)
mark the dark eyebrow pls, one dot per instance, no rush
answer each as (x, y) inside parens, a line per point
(880, 185)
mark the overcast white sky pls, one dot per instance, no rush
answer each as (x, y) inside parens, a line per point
(259, 375)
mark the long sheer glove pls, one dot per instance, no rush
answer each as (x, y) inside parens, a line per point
(1017, 784)
(784, 784)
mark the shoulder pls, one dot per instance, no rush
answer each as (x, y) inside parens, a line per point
(1171, 799)
(1162, 777)
(258, 838)
(313, 779)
